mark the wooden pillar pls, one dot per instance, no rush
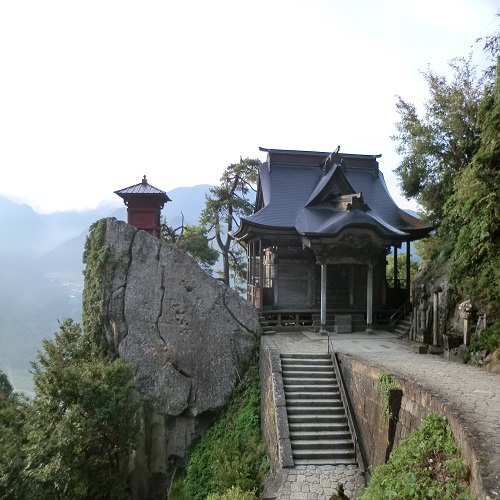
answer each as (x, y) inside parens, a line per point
(395, 266)
(351, 285)
(249, 270)
(261, 276)
(408, 281)
(369, 298)
(323, 299)
(384, 285)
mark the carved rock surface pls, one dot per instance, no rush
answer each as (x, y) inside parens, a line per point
(189, 337)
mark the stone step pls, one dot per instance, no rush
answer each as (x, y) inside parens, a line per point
(308, 373)
(307, 435)
(314, 403)
(323, 444)
(314, 427)
(312, 394)
(328, 454)
(298, 355)
(307, 369)
(306, 381)
(331, 460)
(313, 418)
(315, 411)
(311, 364)
(330, 386)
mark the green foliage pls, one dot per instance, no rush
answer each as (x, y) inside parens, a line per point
(234, 493)
(451, 165)
(224, 205)
(13, 410)
(425, 465)
(440, 144)
(81, 426)
(436, 249)
(389, 271)
(232, 452)
(489, 340)
(95, 258)
(473, 214)
(6, 388)
(193, 240)
(73, 440)
(384, 384)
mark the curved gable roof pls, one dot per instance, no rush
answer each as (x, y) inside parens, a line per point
(306, 191)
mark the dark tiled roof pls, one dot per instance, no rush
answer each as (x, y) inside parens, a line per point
(143, 188)
(300, 190)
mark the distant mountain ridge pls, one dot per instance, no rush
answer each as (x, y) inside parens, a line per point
(41, 278)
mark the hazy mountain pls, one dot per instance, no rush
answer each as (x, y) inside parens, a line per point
(41, 278)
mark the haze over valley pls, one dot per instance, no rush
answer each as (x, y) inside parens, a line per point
(41, 280)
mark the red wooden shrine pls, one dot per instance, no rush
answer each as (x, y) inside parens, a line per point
(144, 203)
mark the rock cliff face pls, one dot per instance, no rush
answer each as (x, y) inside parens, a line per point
(189, 337)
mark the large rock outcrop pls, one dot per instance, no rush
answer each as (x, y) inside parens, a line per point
(189, 337)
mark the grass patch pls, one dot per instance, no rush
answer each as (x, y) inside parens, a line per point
(384, 384)
(229, 461)
(425, 465)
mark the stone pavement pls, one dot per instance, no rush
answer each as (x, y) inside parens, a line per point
(309, 482)
(472, 393)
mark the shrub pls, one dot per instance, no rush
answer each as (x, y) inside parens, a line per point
(234, 493)
(230, 458)
(489, 340)
(425, 465)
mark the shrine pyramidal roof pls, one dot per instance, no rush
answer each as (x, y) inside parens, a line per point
(143, 188)
(319, 194)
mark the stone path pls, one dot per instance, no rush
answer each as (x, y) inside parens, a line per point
(307, 482)
(472, 393)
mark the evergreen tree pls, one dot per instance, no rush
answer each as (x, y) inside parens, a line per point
(6, 388)
(80, 427)
(439, 145)
(473, 213)
(13, 408)
(223, 207)
(193, 240)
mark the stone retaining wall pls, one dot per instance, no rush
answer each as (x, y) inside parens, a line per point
(410, 403)
(273, 407)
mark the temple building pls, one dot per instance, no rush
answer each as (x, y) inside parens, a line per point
(323, 228)
(144, 204)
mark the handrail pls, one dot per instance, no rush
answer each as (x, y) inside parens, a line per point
(345, 400)
(400, 312)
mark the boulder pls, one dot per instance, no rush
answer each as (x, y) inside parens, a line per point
(189, 337)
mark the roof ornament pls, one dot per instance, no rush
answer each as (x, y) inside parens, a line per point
(329, 160)
(357, 203)
(144, 180)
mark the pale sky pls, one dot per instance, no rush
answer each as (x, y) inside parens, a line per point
(94, 94)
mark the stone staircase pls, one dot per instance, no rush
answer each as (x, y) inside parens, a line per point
(265, 327)
(402, 327)
(319, 431)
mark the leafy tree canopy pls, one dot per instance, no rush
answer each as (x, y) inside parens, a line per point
(473, 213)
(6, 388)
(80, 427)
(442, 142)
(401, 267)
(193, 240)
